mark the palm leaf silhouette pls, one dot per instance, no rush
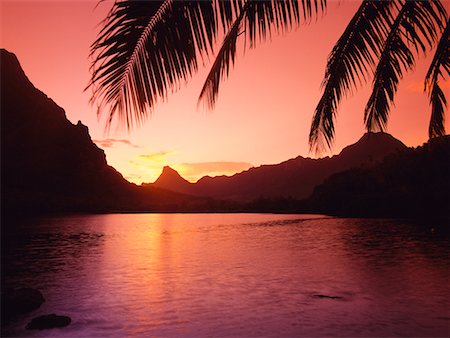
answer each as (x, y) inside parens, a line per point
(221, 65)
(349, 64)
(146, 49)
(256, 21)
(414, 17)
(380, 34)
(440, 67)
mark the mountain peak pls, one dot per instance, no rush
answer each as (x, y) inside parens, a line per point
(170, 179)
(169, 170)
(169, 173)
(372, 145)
(12, 72)
(8, 57)
(376, 136)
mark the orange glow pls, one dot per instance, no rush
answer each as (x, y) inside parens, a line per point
(264, 109)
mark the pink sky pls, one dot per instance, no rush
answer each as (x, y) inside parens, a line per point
(264, 109)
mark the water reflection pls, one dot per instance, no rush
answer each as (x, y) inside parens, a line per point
(233, 275)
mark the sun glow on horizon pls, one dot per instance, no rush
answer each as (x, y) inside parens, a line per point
(191, 172)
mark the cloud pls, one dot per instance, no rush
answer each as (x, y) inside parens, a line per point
(112, 143)
(152, 164)
(158, 157)
(194, 171)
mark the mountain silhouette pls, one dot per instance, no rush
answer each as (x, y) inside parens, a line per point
(295, 178)
(50, 164)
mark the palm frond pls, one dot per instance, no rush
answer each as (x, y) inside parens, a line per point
(416, 25)
(438, 105)
(268, 17)
(439, 68)
(349, 64)
(221, 66)
(146, 49)
(257, 21)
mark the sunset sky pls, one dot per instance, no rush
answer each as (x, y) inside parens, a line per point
(264, 109)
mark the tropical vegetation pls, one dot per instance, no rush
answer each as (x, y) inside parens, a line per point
(146, 49)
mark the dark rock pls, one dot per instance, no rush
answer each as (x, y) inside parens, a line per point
(48, 322)
(326, 296)
(20, 301)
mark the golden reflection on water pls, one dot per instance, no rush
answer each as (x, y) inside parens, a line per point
(157, 276)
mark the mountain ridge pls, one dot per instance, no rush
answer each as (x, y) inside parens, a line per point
(296, 177)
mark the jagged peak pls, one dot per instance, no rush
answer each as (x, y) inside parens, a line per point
(11, 68)
(6, 55)
(168, 170)
(169, 174)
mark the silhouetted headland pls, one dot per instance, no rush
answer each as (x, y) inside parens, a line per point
(52, 165)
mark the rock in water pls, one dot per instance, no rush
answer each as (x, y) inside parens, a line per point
(326, 296)
(48, 322)
(20, 301)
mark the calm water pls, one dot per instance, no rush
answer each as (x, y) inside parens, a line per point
(217, 275)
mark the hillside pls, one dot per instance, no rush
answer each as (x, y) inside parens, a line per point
(414, 184)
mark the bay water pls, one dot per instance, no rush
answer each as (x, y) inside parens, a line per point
(230, 275)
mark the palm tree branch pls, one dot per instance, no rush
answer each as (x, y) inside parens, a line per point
(221, 65)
